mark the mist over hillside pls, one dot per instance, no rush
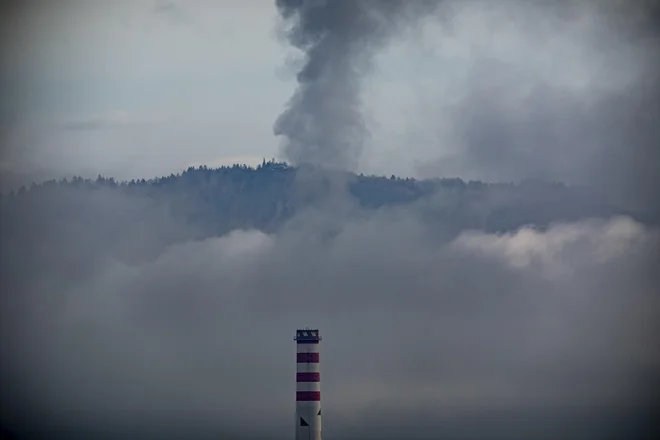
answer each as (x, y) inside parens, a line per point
(216, 201)
(201, 203)
(120, 296)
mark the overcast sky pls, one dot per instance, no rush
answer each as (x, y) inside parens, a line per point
(145, 88)
(139, 88)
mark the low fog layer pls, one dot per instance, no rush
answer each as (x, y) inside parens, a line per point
(477, 334)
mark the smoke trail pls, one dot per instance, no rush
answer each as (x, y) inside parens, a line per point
(322, 123)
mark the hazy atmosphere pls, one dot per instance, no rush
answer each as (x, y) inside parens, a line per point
(462, 197)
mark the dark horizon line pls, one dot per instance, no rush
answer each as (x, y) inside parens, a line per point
(286, 166)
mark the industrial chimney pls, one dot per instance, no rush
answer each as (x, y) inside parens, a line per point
(308, 385)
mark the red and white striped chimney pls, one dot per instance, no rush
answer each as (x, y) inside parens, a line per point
(308, 385)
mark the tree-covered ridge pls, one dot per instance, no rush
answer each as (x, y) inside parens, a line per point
(218, 200)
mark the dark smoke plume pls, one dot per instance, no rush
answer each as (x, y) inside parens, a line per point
(322, 123)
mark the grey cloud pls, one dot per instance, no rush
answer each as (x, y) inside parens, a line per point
(564, 91)
(589, 116)
(611, 143)
(172, 12)
(322, 123)
(85, 125)
(121, 331)
(113, 120)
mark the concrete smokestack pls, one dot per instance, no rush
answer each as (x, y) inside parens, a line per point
(308, 385)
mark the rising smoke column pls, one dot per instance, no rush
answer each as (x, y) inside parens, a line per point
(322, 123)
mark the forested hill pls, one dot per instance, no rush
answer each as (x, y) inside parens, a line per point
(215, 201)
